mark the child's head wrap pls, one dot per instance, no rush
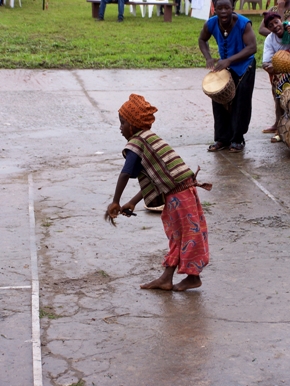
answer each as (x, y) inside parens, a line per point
(138, 112)
(269, 16)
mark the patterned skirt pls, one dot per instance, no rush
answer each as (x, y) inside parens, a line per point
(280, 82)
(185, 227)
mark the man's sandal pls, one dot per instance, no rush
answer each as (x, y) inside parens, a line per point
(217, 146)
(270, 130)
(276, 138)
(236, 147)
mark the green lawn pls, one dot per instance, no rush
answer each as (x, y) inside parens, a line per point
(66, 36)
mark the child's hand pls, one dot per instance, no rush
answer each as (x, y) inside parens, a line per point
(269, 68)
(113, 210)
(128, 206)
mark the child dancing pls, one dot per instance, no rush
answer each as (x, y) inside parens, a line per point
(164, 178)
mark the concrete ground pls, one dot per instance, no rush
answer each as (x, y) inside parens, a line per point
(60, 157)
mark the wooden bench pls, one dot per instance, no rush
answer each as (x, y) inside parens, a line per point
(167, 7)
(250, 11)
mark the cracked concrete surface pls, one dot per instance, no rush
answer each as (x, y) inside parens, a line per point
(97, 326)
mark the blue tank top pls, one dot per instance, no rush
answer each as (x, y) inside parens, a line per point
(233, 43)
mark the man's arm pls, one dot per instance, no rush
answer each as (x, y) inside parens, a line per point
(204, 46)
(250, 48)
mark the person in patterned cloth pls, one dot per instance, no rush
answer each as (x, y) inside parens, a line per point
(273, 43)
(282, 8)
(164, 177)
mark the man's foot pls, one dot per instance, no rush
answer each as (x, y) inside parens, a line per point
(191, 281)
(99, 19)
(217, 146)
(276, 138)
(270, 130)
(120, 20)
(236, 147)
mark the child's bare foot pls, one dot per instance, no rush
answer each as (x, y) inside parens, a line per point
(191, 281)
(158, 284)
(164, 282)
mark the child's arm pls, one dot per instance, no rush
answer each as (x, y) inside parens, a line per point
(114, 208)
(268, 67)
(133, 202)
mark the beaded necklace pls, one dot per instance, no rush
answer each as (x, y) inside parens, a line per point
(225, 31)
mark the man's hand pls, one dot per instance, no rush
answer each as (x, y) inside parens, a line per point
(222, 64)
(210, 63)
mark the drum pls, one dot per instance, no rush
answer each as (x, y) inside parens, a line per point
(219, 86)
(284, 129)
(284, 122)
(154, 208)
(156, 205)
(285, 99)
(281, 62)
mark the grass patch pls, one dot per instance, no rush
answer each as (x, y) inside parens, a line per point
(46, 223)
(103, 273)
(206, 204)
(48, 314)
(65, 36)
(79, 383)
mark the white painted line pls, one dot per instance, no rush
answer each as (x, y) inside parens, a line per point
(36, 344)
(16, 287)
(260, 186)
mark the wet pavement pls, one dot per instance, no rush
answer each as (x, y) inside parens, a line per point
(60, 156)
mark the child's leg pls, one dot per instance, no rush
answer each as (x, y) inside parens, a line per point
(163, 282)
(187, 232)
(191, 281)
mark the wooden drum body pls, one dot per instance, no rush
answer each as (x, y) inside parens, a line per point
(284, 129)
(284, 122)
(219, 86)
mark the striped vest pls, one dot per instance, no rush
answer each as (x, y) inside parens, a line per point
(163, 169)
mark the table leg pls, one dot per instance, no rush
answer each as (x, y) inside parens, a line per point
(167, 12)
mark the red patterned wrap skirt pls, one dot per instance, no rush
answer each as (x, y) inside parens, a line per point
(185, 227)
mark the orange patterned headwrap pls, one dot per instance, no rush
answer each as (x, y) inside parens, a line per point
(138, 112)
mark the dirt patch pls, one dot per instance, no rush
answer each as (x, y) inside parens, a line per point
(74, 286)
(270, 222)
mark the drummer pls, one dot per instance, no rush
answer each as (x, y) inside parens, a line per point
(236, 45)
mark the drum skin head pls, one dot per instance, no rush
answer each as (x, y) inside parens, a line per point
(214, 82)
(219, 86)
